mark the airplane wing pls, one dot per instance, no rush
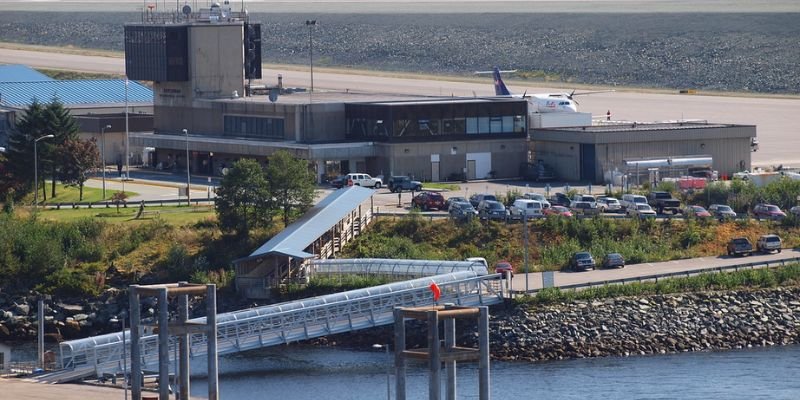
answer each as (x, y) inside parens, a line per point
(510, 71)
(593, 92)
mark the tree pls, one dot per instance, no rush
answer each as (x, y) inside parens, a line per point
(243, 199)
(78, 157)
(59, 122)
(291, 184)
(19, 164)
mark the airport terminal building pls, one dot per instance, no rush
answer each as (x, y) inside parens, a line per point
(205, 103)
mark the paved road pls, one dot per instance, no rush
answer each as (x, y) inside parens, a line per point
(645, 269)
(775, 117)
(20, 389)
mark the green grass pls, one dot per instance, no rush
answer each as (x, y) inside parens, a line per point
(441, 186)
(71, 75)
(71, 194)
(755, 278)
(175, 215)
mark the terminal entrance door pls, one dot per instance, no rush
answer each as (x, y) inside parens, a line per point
(471, 169)
(587, 162)
(435, 171)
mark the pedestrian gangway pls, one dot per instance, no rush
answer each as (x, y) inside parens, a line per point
(395, 269)
(286, 322)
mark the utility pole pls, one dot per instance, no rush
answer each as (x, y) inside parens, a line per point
(103, 155)
(188, 176)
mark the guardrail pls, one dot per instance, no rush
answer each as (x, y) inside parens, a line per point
(111, 204)
(669, 275)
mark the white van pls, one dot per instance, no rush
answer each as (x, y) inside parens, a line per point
(538, 197)
(631, 200)
(524, 208)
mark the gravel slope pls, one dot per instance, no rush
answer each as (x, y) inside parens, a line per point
(717, 51)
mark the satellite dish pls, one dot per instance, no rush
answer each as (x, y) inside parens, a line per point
(273, 94)
(186, 10)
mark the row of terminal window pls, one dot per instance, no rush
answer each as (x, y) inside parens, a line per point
(363, 127)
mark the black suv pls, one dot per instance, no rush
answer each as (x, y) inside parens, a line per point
(403, 183)
(581, 261)
(560, 199)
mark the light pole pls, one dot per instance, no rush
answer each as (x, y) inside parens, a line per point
(114, 320)
(36, 169)
(311, 24)
(388, 369)
(188, 177)
(525, 234)
(103, 155)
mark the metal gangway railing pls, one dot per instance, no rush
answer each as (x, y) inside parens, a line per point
(394, 269)
(287, 322)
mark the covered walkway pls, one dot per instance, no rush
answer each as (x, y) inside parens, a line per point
(318, 234)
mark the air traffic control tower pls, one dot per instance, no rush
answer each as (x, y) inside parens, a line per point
(191, 56)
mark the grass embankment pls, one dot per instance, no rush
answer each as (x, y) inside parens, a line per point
(758, 278)
(554, 240)
(82, 252)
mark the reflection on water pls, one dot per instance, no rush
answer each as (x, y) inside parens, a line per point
(308, 373)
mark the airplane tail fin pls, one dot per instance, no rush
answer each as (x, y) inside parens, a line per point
(500, 88)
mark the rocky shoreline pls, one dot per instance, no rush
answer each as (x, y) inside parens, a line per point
(649, 325)
(657, 324)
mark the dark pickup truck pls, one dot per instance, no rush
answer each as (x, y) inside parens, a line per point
(740, 247)
(664, 202)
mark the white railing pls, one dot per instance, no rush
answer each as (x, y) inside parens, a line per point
(290, 322)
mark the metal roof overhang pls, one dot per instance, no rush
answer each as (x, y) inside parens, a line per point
(253, 147)
(293, 240)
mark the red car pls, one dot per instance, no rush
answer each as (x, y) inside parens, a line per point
(557, 210)
(504, 267)
(428, 200)
(768, 211)
(697, 211)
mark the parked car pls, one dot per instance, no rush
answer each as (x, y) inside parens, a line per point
(613, 260)
(769, 243)
(462, 211)
(403, 183)
(557, 210)
(641, 211)
(560, 199)
(740, 246)
(505, 268)
(524, 208)
(339, 182)
(428, 200)
(583, 197)
(361, 179)
(696, 211)
(768, 211)
(609, 205)
(490, 209)
(454, 199)
(581, 261)
(476, 198)
(584, 208)
(664, 202)
(795, 211)
(629, 200)
(538, 197)
(721, 211)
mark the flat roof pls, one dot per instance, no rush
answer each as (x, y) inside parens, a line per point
(635, 126)
(388, 99)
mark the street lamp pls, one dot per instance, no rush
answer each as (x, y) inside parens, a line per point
(188, 177)
(36, 169)
(311, 24)
(114, 320)
(388, 369)
(103, 155)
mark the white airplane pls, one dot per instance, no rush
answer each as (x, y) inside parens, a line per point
(539, 102)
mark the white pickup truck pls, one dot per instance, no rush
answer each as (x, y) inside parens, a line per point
(364, 180)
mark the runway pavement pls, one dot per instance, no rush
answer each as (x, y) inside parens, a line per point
(774, 117)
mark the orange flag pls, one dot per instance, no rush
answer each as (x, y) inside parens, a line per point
(436, 291)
